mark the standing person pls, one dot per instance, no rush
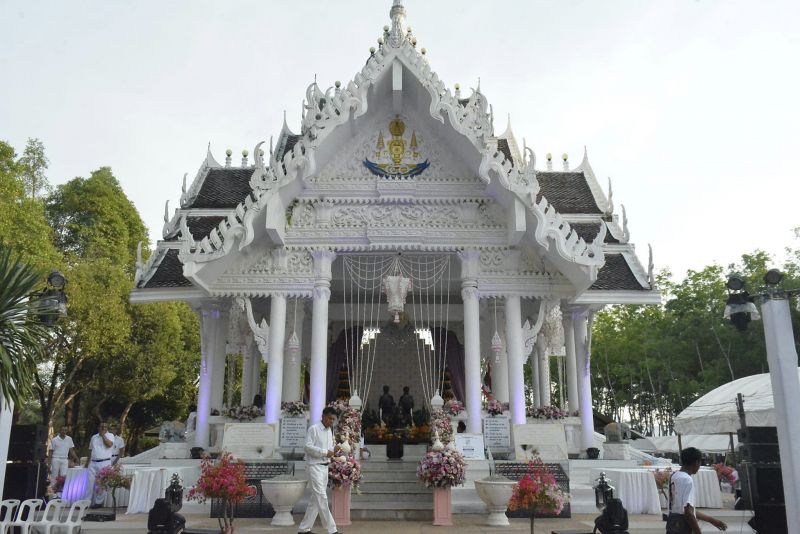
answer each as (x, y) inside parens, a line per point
(61, 451)
(319, 452)
(406, 404)
(101, 447)
(386, 405)
(683, 518)
(119, 445)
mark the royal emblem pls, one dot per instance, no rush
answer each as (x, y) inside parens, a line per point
(392, 156)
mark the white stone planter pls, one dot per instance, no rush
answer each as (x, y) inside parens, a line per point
(495, 492)
(283, 492)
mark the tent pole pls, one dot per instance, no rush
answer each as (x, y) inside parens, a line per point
(680, 444)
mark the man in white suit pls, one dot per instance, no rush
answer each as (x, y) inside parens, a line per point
(319, 452)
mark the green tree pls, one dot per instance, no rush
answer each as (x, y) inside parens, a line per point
(33, 164)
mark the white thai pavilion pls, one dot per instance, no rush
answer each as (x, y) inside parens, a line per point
(395, 222)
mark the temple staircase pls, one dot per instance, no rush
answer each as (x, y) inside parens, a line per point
(390, 490)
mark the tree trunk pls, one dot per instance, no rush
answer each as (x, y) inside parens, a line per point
(124, 417)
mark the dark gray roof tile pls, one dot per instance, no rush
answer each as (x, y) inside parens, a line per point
(588, 231)
(169, 273)
(568, 192)
(616, 275)
(502, 146)
(223, 188)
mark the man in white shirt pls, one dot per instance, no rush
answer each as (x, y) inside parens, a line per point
(319, 452)
(62, 449)
(119, 445)
(101, 447)
(682, 514)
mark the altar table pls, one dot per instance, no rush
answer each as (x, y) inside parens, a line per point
(636, 488)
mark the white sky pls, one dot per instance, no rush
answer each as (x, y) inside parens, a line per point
(690, 106)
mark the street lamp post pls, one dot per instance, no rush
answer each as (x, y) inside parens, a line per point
(782, 361)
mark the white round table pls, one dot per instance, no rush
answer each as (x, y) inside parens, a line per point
(636, 488)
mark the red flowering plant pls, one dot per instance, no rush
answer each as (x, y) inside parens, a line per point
(111, 478)
(222, 480)
(538, 491)
(442, 469)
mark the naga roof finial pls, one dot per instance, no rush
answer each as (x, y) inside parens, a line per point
(398, 15)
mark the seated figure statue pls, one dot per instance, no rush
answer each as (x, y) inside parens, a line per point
(613, 432)
(172, 432)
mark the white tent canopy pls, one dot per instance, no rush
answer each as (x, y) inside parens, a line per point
(715, 412)
(718, 443)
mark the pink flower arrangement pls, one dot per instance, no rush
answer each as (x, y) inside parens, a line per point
(725, 473)
(537, 491)
(545, 412)
(244, 413)
(442, 469)
(294, 408)
(111, 478)
(344, 471)
(349, 423)
(223, 480)
(453, 407)
(440, 422)
(662, 477)
(495, 407)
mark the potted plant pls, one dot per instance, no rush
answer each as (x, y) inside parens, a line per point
(222, 480)
(110, 479)
(344, 474)
(495, 491)
(283, 492)
(442, 468)
(537, 491)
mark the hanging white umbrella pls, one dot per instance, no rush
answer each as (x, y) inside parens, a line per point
(715, 412)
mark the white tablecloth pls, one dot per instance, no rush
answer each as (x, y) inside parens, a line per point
(79, 484)
(636, 488)
(149, 484)
(706, 489)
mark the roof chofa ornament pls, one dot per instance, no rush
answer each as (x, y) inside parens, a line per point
(398, 15)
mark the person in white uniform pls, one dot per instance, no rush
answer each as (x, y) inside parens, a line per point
(101, 447)
(683, 518)
(62, 449)
(319, 452)
(119, 445)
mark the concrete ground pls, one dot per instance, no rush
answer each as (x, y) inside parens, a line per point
(463, 524)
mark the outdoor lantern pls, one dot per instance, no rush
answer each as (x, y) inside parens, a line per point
(355, 401)
(396, 289)
(739, 307)
(294, 347)
(603, 491)
(174, 493)
(773, 277)
(497, 346)
(53, 299)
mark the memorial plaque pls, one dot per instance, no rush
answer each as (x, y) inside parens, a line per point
(249, 441)
(549, 439)
(497, 433)
(470, 445)
(293, 432)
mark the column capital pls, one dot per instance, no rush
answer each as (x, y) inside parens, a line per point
(470, 263)
(322, 292)
(323, 259)
(470, 292)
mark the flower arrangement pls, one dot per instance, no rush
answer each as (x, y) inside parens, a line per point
(440, 422)
(453, 407)
(223, 480)
(344, 471)
(111, 478)
(662, 477)
(442, 469)
(56, 486)
(349, 423)
(725, 473)
(537, 490)
(294, 408)
(339, 405)
(495, 407)
(244, 413)
(545, 412)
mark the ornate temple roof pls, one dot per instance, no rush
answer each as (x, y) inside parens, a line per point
(570, 202)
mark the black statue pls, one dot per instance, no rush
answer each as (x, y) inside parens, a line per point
(406, 403)
(386, 405)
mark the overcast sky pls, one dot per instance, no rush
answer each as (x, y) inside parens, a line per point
(691, 107)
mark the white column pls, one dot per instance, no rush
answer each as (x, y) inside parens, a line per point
(534, 361)
(319, 332)
(516, 373)
(569, 348)
(219, 356)
(543, 362)
(500, 368)
(212, 335)
(470, 265)
(583, 360)
(6, 417)
(255, 371)
(782, 360)
(292, 362)
(277, 321)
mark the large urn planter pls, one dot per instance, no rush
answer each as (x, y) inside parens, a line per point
(442, 507)
(495, 492)
(340, 505)
(283, 492)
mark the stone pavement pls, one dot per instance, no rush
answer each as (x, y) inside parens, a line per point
(463, 524)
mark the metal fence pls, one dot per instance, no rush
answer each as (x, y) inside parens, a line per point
(515, 471)
(256, 506)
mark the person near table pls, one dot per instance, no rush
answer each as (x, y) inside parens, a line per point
(320, 450)
(683, 517)
(119, 445)
(61, 451)
(101, 447)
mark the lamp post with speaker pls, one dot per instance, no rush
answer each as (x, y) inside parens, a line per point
(782, 361)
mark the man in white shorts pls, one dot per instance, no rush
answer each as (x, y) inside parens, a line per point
(62, 449)
(683, 518)
(101, 447)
